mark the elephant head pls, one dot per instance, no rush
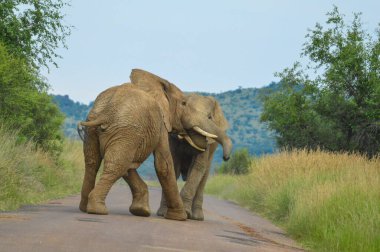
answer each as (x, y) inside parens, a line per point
(205, 124)
(197, 119)
(169, 97)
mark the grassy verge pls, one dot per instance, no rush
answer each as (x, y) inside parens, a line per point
(329, 202)
(29, 176)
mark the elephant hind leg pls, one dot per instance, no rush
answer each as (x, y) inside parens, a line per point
(140, 194)
(92, 160)
(116, 165)
(163, 206)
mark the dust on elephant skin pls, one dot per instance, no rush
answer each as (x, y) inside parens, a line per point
(193, 164)
(126, 124)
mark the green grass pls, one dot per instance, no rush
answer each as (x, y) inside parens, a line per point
(30, 176)
(329, 202)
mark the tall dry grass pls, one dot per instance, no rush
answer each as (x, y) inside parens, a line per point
(330, 202)
(29, 176)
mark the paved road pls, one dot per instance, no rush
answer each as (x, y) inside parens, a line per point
(58, 225)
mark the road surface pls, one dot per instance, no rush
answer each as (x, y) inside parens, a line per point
(58, 225)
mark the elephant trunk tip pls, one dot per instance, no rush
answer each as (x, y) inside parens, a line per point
(227, 148)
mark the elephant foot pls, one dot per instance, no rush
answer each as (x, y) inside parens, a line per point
(176, 214)
(162, 211)
(83, 205)
(187, 206)
(140, 204)
(139, 209)
(96, 207)
(188, 212)
(197, 214)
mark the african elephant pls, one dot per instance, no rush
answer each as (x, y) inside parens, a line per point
(125, 125)
(193, 152)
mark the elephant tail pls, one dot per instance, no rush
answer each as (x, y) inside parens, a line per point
(96, 122)
(93, 123)
(80, 131)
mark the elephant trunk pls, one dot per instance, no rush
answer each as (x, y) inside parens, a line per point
(219, 135)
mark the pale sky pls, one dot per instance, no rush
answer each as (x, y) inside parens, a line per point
(210, 46)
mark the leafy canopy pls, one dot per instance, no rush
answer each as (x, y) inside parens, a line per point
(30, 33)
(33, 29)
(339, 108)
(25, 106)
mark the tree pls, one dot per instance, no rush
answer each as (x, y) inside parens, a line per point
(338, 109)
(30, 33)
(33, 29)
(25, 106)
(238, 164)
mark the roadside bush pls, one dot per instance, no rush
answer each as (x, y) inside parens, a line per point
(238, 164)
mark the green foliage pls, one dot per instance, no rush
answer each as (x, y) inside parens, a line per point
(339, 109)
(33, 29)
(238, 164)
(30, 32)
(29, 175)
(25, 105)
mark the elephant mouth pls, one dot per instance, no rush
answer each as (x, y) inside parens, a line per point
(198, 138)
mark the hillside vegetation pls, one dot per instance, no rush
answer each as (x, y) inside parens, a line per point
(330, 202)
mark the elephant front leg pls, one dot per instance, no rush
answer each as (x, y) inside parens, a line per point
(165, 172)
(197, 210)
(177, 167)
(193, 180)
(140, 194)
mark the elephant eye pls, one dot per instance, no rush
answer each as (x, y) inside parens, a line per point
(183, 103)
(209, 117)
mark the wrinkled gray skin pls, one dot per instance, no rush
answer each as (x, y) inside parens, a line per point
(193, 160)
(192, 164)
(125, 125)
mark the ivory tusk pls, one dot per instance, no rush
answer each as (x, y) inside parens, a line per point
(204, 133)
(188, 139)
(180, 137)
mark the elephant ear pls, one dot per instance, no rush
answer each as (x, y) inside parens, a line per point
(218, 115)
(157, 88)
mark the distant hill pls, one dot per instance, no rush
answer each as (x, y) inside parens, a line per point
(241, 107)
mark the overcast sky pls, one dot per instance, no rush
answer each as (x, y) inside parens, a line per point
(208, 46)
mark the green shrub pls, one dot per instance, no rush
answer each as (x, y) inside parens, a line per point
(238, 163)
